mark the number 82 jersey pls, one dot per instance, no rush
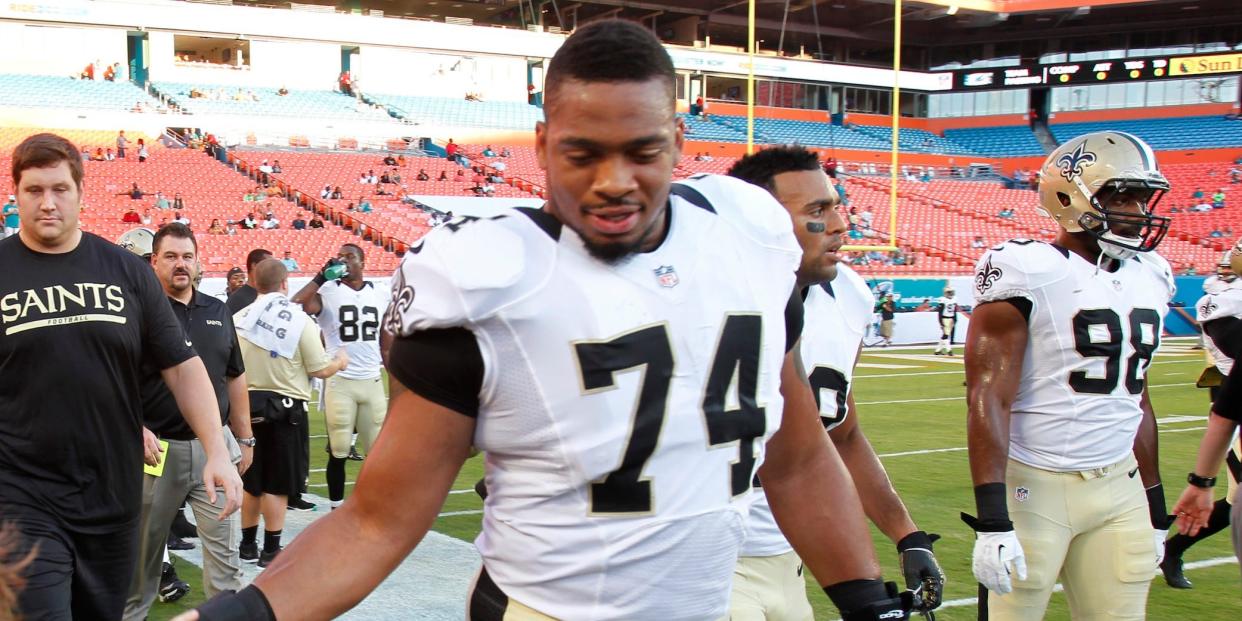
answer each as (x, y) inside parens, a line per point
(1092, 335)
(351, 319)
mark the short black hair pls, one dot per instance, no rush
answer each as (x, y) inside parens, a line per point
(760, 167)
(610, 50)
(173, 229)
(255, 257)
(361, 255)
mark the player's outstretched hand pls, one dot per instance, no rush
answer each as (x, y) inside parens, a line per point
(1193, 509)
(923, 575)
(220, 475)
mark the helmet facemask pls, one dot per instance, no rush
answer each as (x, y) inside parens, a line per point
(1122, 234)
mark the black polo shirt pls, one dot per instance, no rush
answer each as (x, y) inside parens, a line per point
(243, 297)
(208, 325)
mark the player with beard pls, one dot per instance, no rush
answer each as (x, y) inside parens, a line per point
(768, 582)
(623, 358)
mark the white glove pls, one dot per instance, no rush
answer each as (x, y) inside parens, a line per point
(996, 557)
(1160, 536)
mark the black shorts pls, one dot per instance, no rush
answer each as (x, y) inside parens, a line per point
(280, 459)
(73, 575)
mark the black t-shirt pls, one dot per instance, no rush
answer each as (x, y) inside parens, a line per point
(886, 310)
(209, 327)
(75, 330)
(243, 297)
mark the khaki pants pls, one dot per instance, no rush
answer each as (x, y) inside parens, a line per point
(769, 588)
(353, 403)
(161, 499)
(1089, 529)
(486, 602)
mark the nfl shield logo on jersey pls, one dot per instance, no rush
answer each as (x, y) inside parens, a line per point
(666, 276)
(1021, 494)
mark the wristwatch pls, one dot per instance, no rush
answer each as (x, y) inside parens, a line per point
(1201, 482)
(250, 442)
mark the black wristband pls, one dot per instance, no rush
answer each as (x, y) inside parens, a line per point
(319, 279)
(916, 539)
(248, 604)
(990, 503)
(1158, 511)
(856, 594)
(1201, 482)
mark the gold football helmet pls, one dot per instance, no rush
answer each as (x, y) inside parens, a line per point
(1081, 178)
(1230, 265)
(139, 241)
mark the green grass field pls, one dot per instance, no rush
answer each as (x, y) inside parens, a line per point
(919, 406)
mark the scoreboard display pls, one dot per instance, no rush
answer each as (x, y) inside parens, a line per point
(1095, 72)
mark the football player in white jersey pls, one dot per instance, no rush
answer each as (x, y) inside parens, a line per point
(768, 582)
(1220, 315)
(621, 358)
(946, 310)
(1059, 422)
(349, 311)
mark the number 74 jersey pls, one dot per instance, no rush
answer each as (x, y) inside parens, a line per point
(1092, 335)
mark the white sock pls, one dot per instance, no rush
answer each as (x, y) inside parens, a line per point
(335, 503)
(166, 554)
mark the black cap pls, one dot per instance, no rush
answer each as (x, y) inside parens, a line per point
(235, 270)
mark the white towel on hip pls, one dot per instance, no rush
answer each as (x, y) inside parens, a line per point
(273, 323)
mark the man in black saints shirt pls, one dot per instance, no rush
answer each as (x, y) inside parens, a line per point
(246, 294)
(209, 325)
(79, 317)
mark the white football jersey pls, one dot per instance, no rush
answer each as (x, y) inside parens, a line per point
(1215, 284)
(836, 316)
(1092, 334)
(624, 408)
(1224, 302)
(947, 308)
(351, 319)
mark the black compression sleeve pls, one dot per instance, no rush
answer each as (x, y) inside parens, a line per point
(443, 366)
(1226, 334)
(793, 320)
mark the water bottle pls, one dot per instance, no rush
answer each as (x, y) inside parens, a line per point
(336, 269)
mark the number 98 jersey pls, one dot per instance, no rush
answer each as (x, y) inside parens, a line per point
(351, 319)
(1092, 335)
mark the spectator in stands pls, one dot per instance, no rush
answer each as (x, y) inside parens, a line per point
(180, 219)
(161, 202)
(12, 218)
(443, 176)
(276, 169)
(364, 205)
(216, 228)
(282, 91)
(423, 176)
(897, 257)
(326, 193)
(1216, 233)
(290, 263)
(265, 170)
(337, 193)
(977, 242)
(362, 177)
(830, 167)
(450, 150)
(389, 160)
(270, 222)
(135, 193)
(1005, 213)
(504, 152)
(131, 217)
(488, 152)
(97, 156)
(1218, 199)
(385, 178)
(248, 222)
(350, 206)
(460, 176)
(298, 223)
(177, 203)
(143, 154)
(1202, 206)
(121, 142)
(108, 155)
(1197, 195)
(1175, 209)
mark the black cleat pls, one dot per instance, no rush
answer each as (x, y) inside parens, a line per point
(299, 504)
(249, 552)
(181, 527)
(268, 556)
(480, 488)
(353, 454)
(177, 543)
(1171, 567)
(172, 588)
